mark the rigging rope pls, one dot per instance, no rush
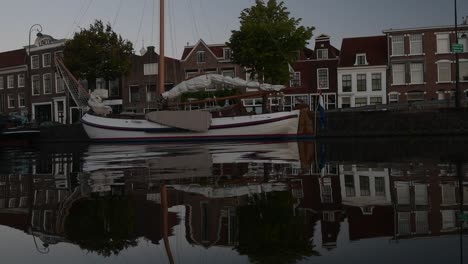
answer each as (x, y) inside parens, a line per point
(117, 14)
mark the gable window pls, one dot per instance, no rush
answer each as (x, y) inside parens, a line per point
(443, 43)
(201, 57)
(46, 60)
(416, 44)
(376, 82)
(463, 69)
(443, 71)
(21, 80)
(361, 83)
(47, 79)
(35, 62)
(346, 83)
(21, 101)
(11, 101)
(398, 74)
(322, 54)
(10, 81)
(322, 77)
(361, 59)
(227, 53)
(296, 80)
(59, 84)
(416, 73)
(150, 69)
(398, 45)
(36, 85)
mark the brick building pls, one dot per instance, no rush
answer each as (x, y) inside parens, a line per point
(13, 71)
(422, 64)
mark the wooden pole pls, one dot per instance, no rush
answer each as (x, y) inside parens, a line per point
(165, 224)
(161, 47)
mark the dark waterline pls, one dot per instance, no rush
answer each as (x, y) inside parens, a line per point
(384, 200)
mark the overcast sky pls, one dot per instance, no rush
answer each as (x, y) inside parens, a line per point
(212, 20)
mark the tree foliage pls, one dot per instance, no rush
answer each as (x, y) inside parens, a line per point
(268, 40)
(98, 52)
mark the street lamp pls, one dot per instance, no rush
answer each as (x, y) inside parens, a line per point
(38, 29)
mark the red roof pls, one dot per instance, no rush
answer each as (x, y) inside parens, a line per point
(12, 58)
(375, 48)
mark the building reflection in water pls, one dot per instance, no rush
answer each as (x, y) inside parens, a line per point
(265, 201)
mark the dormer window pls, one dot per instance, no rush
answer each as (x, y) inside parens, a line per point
(361, 59)
(44, 42)
(227, 52)
(322, 54)
(201, 58)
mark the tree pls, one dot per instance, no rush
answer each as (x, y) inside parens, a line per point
(97, 52)
(268, 40)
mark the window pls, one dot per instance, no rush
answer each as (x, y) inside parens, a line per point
(114, 89)
(379, 186)
(322, 54)
(443, 43)
(1, 82)
(361, 59)
(416, 73)
(376, 100)
(190, 74)
(398, 72)
(35, 85)
(404, 223)
(35, 62)
(21, 101)
(345, 102)
(59, 84)
(134, 93)
(150, 69)
(463, 39)
(201, 58)
(322, 78)
(415, 96)
(296, 80)
(364, 185)
(11, 101)
(151, 94)
(448, 219)
(360, 101)
(349, 186)
(361, 83)
(376, 82)
(10, 81)
(443, 71)
(21, 80)
(416, 44)
(346, 81)
(46, 60)
(448, 194)
(398, 45)
(420, 194)
(100, 83)
(227, 53)
(422, 224)
(47, 79)
(2, 103)
(463, 69)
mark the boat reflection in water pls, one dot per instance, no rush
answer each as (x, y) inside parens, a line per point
(280, 202)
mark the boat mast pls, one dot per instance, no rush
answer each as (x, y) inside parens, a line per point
(161, 47)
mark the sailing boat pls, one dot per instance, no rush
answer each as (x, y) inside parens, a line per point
(189, 125)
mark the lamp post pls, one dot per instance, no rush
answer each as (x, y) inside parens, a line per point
(38, 28)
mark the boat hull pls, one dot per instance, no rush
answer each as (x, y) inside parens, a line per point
(282, 125)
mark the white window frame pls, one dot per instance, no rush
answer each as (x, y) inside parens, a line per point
(21, 97)
(358, 79)
(150, 69)
(414, 41)
(44, 83)
(414, 71)
(390, 99)
(445, 49)
(318, 79)
(323, 54)
(32, 85)
(296, 79)
(46, 63)
(227, 54)
(399, 71)
(463, 62)
(350, 76)
(444, 62)
(10, 81)
(11, 97)
(379, 74)
(375, 97)
(201, 56)
(35, 64)
(57, 79)
(21, 80)
(400, 40)
(361, 55)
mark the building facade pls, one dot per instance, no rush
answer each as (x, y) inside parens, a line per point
(362, 72)
(422, 65)
(13, 93)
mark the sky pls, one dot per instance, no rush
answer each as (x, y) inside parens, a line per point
(187, 21)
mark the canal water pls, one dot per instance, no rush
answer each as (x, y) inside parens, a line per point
(337, 201)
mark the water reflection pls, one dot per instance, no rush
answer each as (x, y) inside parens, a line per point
(281, 202)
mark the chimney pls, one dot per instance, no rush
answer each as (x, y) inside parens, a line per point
(150, 49)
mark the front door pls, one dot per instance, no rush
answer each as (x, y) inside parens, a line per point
(43, 113)
(60, 113)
